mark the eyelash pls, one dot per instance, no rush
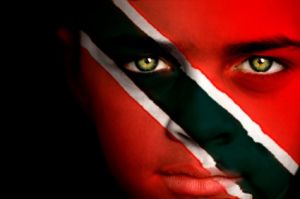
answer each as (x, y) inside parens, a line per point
(247, 66)
(160, 64)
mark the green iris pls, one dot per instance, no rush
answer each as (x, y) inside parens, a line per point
(260, 64)
(146, 63)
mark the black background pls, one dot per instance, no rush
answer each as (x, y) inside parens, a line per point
(50, 147)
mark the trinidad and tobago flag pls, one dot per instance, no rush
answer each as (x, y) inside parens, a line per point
(226, 120)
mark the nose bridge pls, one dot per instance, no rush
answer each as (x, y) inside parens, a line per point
(202, 118)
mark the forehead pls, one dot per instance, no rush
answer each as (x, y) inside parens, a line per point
(219, 20)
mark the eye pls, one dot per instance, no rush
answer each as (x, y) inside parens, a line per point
(147, 65)
(260, 65)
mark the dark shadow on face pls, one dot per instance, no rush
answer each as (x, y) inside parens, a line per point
(59, 147)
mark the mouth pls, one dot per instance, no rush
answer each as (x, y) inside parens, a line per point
(189, 180)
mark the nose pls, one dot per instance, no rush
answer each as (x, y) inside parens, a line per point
(204, 120)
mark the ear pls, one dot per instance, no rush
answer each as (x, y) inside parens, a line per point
(71, 44)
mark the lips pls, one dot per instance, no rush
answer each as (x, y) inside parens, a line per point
(194, 181)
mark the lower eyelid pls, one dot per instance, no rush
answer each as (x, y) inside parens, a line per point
(130, 66)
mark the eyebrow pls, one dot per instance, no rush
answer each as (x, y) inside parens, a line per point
(261, 45)
(141, 43)
(131, 46)
(132, 41)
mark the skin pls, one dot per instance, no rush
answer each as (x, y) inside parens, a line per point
(137, 147)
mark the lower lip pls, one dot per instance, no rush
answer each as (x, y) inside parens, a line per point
(187, 185)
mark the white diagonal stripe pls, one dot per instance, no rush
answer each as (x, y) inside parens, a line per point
(252, 128)
(159, 115)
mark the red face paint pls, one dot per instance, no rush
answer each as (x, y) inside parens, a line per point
(205, 31)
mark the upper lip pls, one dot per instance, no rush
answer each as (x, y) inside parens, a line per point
(192, 171)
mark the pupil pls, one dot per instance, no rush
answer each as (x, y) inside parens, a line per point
(146, 64)
(261, 61)
(260, 64)
(148, 60)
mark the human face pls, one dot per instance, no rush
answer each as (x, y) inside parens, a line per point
(196, 98)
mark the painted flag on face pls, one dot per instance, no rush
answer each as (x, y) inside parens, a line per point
(147, 50)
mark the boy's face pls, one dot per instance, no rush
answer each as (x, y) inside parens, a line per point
(234, 91)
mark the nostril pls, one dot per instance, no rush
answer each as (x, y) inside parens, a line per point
(177, 131)
(221, 139)
(184, 136)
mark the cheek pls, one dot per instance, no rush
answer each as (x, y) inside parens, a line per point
(123, 127)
